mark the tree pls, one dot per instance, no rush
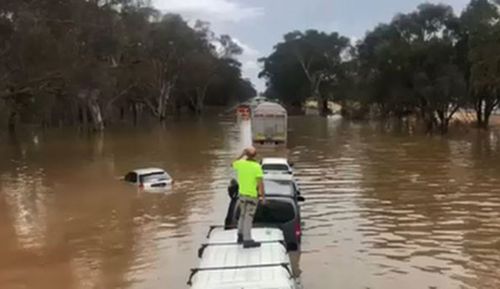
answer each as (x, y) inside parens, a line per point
(85, 62)
(482, 33)
(311, 60)
(413, 65)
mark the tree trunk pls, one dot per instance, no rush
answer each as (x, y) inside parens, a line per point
(479, 113)
(97, 121)
(200, 100)
(322, 101)
(122, 113)
(445, 124)
(429, 121)
(12, 121)
(487, 115)
(95, 110)
(85, 117)
(134, 113)
(163, 100)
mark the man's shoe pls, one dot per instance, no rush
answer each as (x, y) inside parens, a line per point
(250, 244)
(240, 239)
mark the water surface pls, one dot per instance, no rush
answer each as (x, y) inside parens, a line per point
(383, 209)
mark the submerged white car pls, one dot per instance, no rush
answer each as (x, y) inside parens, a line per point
(276, 165)
(149, 178)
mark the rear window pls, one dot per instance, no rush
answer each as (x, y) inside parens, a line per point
(274, 167)
(274, 212)
(159, 176)
(276, 187)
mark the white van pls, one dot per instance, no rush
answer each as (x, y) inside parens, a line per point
(224, 264)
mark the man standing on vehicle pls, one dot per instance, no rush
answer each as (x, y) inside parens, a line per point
(249, 174)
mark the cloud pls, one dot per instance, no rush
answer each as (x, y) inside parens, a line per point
(212, 10)
(251, 65)
(247, 49)
(250, 68)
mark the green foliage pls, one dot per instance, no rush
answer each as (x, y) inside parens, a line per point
(481, 25)
(428, 63)
(79, 61)
(304, 66)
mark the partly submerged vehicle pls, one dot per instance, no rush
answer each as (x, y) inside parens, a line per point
(149, 178)
(276, 166)
(225, 264)
(280, 210)
(269, 124)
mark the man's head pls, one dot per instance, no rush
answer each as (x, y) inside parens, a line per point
(251, 152)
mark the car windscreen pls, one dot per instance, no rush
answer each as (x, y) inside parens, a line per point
(159, 176)
(275, 167)
(275, 211)
(278, 187)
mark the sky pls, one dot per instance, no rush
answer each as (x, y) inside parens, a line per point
(257, 25)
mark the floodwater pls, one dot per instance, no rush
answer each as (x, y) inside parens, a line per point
(383, 209)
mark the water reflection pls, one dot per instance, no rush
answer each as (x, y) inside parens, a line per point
(398, 209)
(383, 208)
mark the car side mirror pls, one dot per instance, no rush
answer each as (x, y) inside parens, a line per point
(301, 199)
(291, 164)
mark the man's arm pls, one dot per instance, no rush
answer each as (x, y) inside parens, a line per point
(261, 190)
(260, 182)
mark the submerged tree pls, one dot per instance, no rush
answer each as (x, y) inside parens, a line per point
(91, 62)
(428, 63)
(481, 25)
(303, 64)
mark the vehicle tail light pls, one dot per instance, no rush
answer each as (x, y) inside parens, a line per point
(141, 186)
(298, 230)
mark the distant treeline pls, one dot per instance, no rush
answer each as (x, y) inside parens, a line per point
(96, 62)
(428, 63)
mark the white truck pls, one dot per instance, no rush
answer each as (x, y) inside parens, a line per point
(269, 124)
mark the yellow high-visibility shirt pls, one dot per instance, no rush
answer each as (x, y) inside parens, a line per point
(249, 173)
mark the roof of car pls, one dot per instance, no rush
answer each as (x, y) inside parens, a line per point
(281, 161)
(278, 188)
(225, 264)
(259, 277)
(278, 177)
(146, 171)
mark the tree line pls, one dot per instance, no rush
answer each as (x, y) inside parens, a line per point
(98, 62)
(428, 63)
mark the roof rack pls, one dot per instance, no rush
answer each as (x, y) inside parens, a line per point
(205, 245)
(213, 227)
(286, 266)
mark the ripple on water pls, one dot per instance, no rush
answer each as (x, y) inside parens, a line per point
(406, 211)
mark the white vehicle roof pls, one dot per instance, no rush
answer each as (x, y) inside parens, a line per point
(219, 235)
(234, 255)
(278, 177)
(277, 161)
(146, 171)
(270, 108)
(225, 264)
(275, 277)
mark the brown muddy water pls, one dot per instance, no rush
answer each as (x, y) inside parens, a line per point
(383, 209)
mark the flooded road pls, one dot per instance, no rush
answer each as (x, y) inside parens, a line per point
(383, 209)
